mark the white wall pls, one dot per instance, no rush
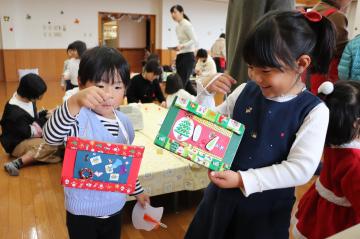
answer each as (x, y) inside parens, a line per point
(132, 34)
(208, 18)
(1, 42)
(30, 33)
(353, 15)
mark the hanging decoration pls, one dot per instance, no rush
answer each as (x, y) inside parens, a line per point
(28, 16)
(6, 18)
(77, 21)
(62, 12)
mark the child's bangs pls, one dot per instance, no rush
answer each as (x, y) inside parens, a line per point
(110, 76)
(260, 51)
(112, 70)
(264, 47)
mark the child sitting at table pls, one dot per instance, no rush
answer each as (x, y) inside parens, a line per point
(145, 87)
(173, 88)
(205, 65)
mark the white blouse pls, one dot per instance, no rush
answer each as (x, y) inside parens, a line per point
(304, 155)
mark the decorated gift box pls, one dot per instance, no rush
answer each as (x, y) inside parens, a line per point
(101, 166)
(200, 135)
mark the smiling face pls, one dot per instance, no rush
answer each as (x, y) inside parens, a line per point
(275, 82)
(272, 81)
(115, 91)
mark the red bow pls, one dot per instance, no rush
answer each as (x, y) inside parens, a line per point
(312, 16)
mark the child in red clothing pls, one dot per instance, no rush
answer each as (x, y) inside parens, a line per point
(332, 204)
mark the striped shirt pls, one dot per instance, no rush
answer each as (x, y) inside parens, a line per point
(61, 124)
(110, 124)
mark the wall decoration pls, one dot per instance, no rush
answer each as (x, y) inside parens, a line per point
(11, 29)
(199, 134)
(62, 12)
(6, 18)
(28, 17)
(49, 22)
(101, 166)
(77, 21)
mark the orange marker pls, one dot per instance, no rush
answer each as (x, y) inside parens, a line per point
(148, 218)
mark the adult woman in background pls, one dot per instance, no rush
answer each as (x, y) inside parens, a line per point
(185, 59)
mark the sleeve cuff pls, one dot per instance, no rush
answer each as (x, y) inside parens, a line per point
(251, 182)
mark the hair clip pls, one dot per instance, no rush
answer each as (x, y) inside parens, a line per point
(312, 16)
(326, 88)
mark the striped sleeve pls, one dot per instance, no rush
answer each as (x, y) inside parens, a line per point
(138, 189)
(60, 125)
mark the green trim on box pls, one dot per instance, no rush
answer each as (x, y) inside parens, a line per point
(208, 114)
(233, 146)
(169, 120)
(211, 162)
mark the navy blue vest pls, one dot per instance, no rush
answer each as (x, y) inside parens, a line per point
(270, 126)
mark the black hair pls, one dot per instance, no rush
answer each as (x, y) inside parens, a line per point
(222, 35)
(280, 37)
(344, 107)
(153, 66)
(153, 56)
(80, 47)
(103, 64)
(173, 84)
(180, 9)
(31, 86)
(201, 53)
(70, 47)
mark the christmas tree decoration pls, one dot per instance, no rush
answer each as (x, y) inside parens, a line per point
(199, 134)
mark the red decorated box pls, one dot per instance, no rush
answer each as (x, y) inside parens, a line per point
(102, 166)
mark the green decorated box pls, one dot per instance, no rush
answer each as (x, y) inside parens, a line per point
(200, 134)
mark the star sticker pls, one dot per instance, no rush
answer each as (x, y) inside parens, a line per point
(248, 110)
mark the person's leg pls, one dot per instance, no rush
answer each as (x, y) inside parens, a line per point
(82, 226)
(184, 66)
(24, 155)
(111, 227)
(30, 151)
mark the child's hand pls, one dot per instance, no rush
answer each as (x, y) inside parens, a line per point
(89, 97)
(221, 85)
(38, 130)
(50, 112)
(226, 179)
(163, 104)
(143, 199)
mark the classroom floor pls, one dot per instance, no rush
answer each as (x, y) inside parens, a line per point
(32, 204)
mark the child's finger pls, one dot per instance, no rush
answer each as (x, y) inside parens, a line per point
(223, 86)
(229, 78)
(218, 175)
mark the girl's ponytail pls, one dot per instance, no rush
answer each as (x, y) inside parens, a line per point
(186, 17)
(325, 41)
